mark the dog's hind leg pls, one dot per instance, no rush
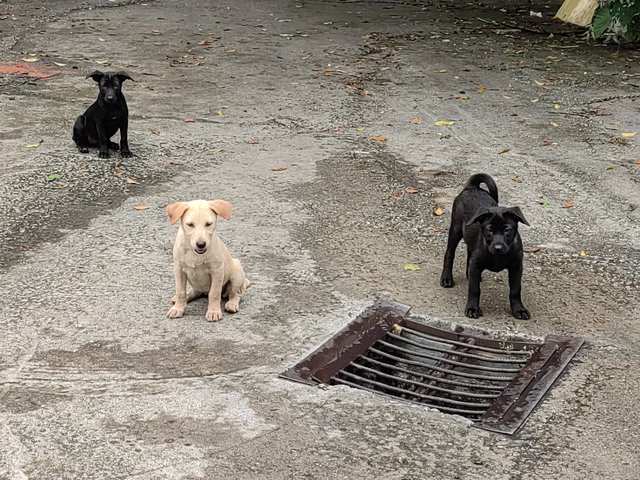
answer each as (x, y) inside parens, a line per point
(237, 285)
(455, 235)
(79, 135)
(113, 145)
(191, 295)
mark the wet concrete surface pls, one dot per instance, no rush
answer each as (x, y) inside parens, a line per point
(97, 383)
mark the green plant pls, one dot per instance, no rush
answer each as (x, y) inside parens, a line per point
(617, 20)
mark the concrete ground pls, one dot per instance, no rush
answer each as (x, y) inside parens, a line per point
(97, 384)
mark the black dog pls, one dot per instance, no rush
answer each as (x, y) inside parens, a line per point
(493, 242)
(105, 117)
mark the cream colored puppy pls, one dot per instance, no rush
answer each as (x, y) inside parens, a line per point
(202, 260)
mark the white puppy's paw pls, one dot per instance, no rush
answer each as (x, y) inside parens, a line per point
(176, 311)
(232, 305)
(213, 315)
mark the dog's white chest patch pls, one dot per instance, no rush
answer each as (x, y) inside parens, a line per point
(199, 278)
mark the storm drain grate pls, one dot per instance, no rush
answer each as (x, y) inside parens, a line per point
(495, 383)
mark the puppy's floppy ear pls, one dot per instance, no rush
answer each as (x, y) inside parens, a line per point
(221, 207)
(96, 75)
(122, 75)
(480, 215)
(176, 210)
(517, 214)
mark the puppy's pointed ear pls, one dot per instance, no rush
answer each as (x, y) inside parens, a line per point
(122, 75)
(221, 207)
(176, 210)
(480, 215)
(96, 75)
(517, 214)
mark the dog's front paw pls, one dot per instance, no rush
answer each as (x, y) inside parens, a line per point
(126, 154)
(232, 305)
(446, 280)
(473, 312)
(521, 313)
(213, 315)
(104, 154)
(83, 149)
(176, 311)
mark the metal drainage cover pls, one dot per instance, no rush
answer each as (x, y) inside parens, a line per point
(495, 383)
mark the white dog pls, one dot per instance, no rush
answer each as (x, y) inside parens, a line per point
(203, 260)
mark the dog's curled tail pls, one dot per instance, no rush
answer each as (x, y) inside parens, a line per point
(479, 178)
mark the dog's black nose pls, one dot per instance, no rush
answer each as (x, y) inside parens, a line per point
(498, 248)
(201, 244)
(109, 98)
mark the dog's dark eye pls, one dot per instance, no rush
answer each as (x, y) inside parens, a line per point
(507, 229)
(208, 224)
(190, 224)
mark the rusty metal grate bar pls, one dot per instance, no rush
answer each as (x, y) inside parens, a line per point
(495, 383)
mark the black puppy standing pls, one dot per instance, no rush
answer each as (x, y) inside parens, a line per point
(104, 117)
(493, 242)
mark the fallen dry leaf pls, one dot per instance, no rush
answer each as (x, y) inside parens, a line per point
(481, 90)
(132, 181)
(556, 106)
(599, 320)
(84, 170)
(517, 179)
(569, 204)
(379, 138)
(189, 120)
(415, 121)
(155, 131)
(554, 124)
(503, 150)
(219, 112)
(460, 97)
(628, 134)
(251, 142)
(443, 71)
(535, 100)
(582, 253)
(437, 211)
(410, 267)
(444, 123)
(394, 197)
(637, 162)
(531, 249)
(609, 167)
(411, 190)
(141, 207)
(278, 169)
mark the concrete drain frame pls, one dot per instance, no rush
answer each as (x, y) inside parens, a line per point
(494, 383)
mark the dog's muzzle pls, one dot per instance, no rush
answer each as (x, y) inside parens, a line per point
(200, 248)
(498, 249)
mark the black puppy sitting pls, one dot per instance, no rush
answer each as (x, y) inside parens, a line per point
(104, 117)
(493, 242)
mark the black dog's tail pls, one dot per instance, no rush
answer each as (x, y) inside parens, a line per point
(479, 178)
